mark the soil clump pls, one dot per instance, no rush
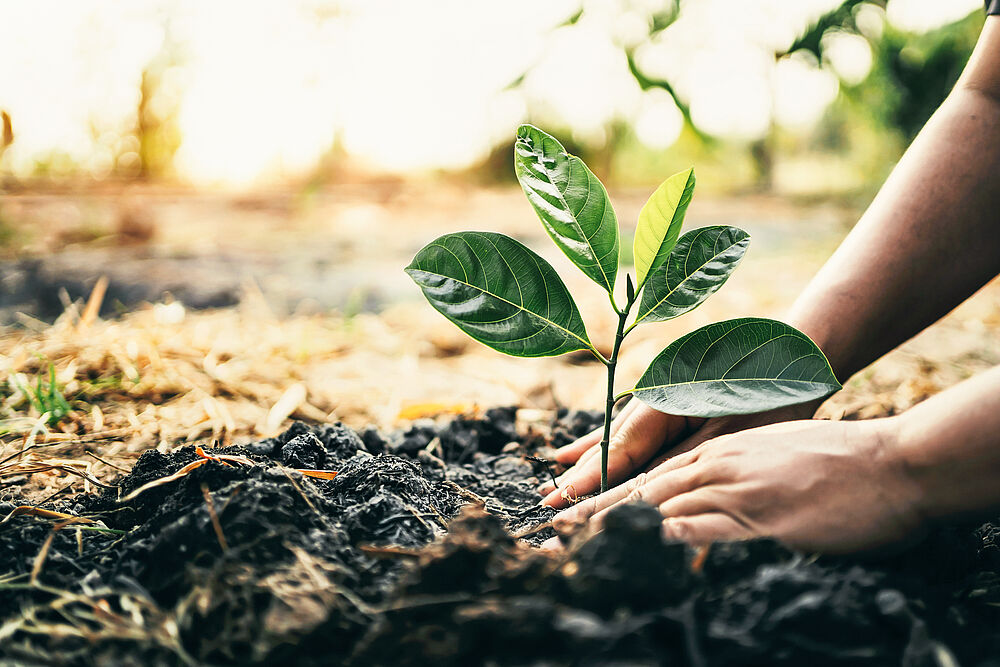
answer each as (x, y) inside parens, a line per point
(420, 550)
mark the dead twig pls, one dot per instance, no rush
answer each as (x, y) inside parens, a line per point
(318, 474)
(476, 499)
(389, 552)
(31, 510)
(548, 467)
(68, 467)
(215, 518)
(53, 495)
(107, 463)
(298, 488)
(94, 302)
(164, 480)
(700, 556)
(43, 553)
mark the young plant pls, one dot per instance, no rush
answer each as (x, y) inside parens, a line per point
(507, 297)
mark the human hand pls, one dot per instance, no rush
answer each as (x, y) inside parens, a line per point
(642, 437)
(638, 434)
(833, 487)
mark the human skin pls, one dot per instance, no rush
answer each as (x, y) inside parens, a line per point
(927, 242)
(827, 486)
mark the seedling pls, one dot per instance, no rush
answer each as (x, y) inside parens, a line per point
(507, 297)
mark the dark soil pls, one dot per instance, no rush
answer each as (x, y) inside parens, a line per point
(420, 552)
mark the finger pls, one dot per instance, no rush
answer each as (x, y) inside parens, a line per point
(552, 488)
(676, 462)
(703, 500)
(704, 529)
(582, 511)
(624, 457)
(587, 508)
(638, 438)
(566, 478)
(572, 452)
(562, 497)
(551, 544)
(653, 490)
(702, 434)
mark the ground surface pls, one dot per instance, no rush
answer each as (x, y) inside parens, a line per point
(320, 324)
(249, 555)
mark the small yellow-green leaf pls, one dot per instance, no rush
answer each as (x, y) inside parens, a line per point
(660, 223)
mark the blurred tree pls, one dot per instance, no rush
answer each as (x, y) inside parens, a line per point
(911, 74)
(156, 121)
(6, 139)
(156, 125)
(7, 133)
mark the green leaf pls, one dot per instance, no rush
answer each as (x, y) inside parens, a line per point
(571, 202)
(697, 267)
(500, 293)
(736, 367)
(660, 223)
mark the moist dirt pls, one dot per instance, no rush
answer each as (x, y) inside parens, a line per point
(422, 550)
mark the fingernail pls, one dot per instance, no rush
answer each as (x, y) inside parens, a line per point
(552, 499)
(546, 488)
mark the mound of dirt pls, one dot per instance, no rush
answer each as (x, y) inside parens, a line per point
(420, 550)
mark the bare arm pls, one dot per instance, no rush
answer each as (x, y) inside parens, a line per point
(950, 446)
(831, 486)
(929, 239)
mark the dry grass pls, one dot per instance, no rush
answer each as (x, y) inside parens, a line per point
(159, 377)
(162, 377)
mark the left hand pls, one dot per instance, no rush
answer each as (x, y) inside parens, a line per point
(832, 487)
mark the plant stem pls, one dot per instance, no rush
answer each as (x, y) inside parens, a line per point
(610, 404)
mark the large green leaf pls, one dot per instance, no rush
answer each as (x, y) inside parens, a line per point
(500, 293)
(660, 223)
(697, 267)
(736, 367)
(571, 202)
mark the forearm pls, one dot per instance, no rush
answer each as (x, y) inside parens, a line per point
(929, 239)
(949, 446)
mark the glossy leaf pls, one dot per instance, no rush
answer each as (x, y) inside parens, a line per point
(736, 367)
(697, 267)
(500, 293)
(572, 203)
(660, 223)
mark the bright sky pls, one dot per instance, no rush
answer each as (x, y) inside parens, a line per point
(265, 88)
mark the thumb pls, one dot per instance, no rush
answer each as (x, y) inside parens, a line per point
(571, 453)
(635, 442)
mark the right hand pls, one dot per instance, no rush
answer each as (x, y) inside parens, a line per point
(641, 438)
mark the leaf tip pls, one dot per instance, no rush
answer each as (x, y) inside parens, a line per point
(533, 137)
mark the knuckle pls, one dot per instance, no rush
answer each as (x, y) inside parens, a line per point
(634, 485)
(619, 439)
(637, 494)
(676, 528)
(719, 470)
